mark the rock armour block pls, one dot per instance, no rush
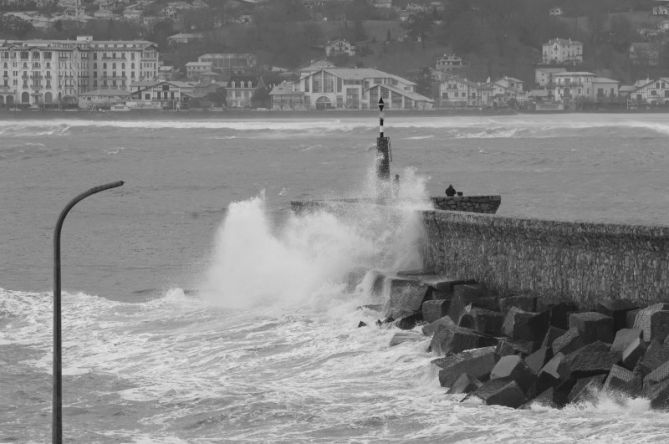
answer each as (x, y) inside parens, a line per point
(431, 328)
(476, 363)
(656, 355)
(632, 353)
(568, 342)
(624, 338)
(464, 384)
(623, 380)
(524, 325)
(406, 298)
(617, 309)
(435, 309)
(504, 392)
(653, 321)
(524, 302)
(586, 389)
(456, 339)
(592, 326)
(514, 367)
(482, 320)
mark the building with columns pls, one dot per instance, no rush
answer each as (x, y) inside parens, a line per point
(46, 72)
(358, 88)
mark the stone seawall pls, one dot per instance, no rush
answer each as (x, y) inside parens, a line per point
(472, 204)
(584, 262)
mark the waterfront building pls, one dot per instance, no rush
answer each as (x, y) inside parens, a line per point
(603, 87)
(44, 72)
(572, 85)
(239, 91)
(562, 52)
(102, 98)
(358, 88)
(652, 92)
(458, 91)
(285, 96)
(543, 75)
(160, 94)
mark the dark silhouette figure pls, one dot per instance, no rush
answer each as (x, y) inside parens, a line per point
(450, 191)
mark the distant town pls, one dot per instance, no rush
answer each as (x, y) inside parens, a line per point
(303, 55)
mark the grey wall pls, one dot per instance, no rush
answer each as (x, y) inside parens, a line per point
(556, 260)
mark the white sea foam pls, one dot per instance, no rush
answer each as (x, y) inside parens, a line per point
(310, 257)
(561, 125)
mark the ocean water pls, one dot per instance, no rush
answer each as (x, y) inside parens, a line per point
(198, 308)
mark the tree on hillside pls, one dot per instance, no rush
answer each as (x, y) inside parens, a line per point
(261, 98)
(622, 33)
(419, 26)
(424, 81)
(217, 98)
(360, 10)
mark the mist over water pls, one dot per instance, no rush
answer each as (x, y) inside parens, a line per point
(198, 308)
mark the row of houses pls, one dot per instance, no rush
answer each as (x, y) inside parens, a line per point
(563, 87)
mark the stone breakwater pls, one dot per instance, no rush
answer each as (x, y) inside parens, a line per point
(472, 204)
(583, 262)
(518, 349)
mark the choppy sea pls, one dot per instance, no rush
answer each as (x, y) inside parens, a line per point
(198, 309)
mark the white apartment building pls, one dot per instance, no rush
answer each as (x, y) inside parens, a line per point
(36, 72)
(571, 85)
(562, 51)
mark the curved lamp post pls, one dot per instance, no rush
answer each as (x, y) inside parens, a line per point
(57, 406)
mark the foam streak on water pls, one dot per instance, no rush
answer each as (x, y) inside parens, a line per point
(558, 126)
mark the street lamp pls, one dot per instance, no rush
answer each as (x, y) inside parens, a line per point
(57, 405)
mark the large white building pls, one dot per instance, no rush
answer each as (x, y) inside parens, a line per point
(562, 52)
(37, 72)
(358, 88)
(572, 85)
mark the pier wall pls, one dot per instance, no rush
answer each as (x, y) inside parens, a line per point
(584, 262)
(472, 204)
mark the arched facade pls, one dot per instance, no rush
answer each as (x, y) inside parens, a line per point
(323, 103)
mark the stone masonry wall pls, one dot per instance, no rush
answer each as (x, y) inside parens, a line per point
(472, 204)
(584, 262)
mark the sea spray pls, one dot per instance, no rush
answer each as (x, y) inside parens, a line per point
(311, 256)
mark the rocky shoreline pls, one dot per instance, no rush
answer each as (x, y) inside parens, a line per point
(516, 350)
